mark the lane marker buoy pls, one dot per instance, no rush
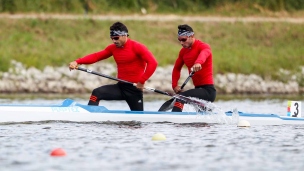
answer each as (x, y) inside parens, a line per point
(159, 137)
(58, 152)
(243, 123)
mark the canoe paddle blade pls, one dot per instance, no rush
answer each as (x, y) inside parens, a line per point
(168, 105)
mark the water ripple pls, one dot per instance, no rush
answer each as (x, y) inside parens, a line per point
(128, 146)
(112, 146)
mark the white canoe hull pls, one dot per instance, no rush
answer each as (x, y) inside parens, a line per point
(69, 111)
(14, 116)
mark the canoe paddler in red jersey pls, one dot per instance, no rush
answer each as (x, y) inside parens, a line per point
(135, 63)
(197, 56)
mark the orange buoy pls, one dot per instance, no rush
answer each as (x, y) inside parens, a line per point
(58, 152)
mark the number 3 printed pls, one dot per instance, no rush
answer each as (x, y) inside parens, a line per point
(297, 110)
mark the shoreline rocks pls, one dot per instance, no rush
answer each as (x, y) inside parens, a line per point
(60, 80)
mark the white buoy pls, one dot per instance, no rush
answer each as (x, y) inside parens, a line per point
(158, 137)
(243, 123)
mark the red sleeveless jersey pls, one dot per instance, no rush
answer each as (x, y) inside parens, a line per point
(199, 52)
(135, 63)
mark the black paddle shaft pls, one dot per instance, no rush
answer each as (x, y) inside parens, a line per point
(99, 74)
(120, 80)
(188, 78)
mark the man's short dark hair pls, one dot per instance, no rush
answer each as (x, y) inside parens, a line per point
(185, 27)
(119, 26)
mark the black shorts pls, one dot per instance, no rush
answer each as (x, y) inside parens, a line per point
(121, 91)
(205, 92)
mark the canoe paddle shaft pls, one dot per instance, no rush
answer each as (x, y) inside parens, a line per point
(102, 75)
(186, 99)
(120, 80)
(157, 91)
(188, 78)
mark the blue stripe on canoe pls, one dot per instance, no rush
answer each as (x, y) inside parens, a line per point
(229, 113)
(102, 109)
(291, 118)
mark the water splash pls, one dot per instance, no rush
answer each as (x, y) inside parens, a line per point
(235, 116)
(211, 112)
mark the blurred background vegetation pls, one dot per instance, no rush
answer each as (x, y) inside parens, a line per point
(219, 7)
(261, 48)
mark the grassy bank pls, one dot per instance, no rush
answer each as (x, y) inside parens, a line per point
(190, 7)
(260, 48)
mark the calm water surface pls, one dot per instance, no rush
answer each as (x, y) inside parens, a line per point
(100, 146)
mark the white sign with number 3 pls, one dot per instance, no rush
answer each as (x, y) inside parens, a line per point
(294, 109)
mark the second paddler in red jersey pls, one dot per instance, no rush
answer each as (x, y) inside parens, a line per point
(135, 63)
(197, 56)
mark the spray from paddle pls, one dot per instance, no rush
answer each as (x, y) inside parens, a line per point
(209, 111)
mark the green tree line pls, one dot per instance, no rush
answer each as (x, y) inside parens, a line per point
(152, 6)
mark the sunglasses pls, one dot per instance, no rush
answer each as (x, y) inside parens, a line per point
(115, 38)
(182, 39)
